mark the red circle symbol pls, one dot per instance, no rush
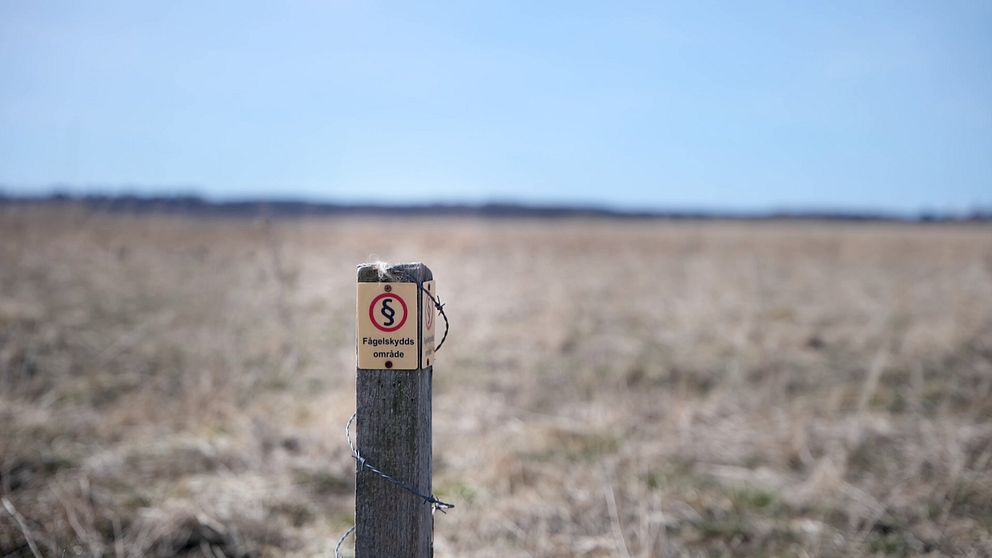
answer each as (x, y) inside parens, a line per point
(375, 302)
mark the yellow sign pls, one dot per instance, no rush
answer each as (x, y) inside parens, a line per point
(387, 326)
(427, 327)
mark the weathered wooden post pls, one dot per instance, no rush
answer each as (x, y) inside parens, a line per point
(395, 336)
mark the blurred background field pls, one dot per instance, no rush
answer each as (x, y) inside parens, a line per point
(178, 386)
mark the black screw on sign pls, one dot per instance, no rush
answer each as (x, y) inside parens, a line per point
(394, 433)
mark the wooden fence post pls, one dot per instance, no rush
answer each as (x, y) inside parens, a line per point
(394, 411)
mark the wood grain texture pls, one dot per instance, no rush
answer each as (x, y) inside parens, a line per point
(394, 433)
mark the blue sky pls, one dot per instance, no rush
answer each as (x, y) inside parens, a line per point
(863, 105)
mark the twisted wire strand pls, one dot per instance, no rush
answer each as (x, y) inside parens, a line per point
(363, 463)
(440, 310)
(436, 504)
(337, 547)
(394, 273)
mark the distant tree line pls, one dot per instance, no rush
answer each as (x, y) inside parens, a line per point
(288, 208)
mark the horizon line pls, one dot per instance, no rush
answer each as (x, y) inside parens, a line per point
(299, 206)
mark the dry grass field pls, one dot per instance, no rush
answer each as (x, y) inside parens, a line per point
(178, 386)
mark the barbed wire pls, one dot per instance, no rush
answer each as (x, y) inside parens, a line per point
(364, 464)
(435, 503)
(393, 273)
(440, 311)
(344, 537)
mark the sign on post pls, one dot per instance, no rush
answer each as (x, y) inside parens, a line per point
(427, 330)
(387, 326)
(388, 337)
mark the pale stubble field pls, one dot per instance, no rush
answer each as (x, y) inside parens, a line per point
(174, 385)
